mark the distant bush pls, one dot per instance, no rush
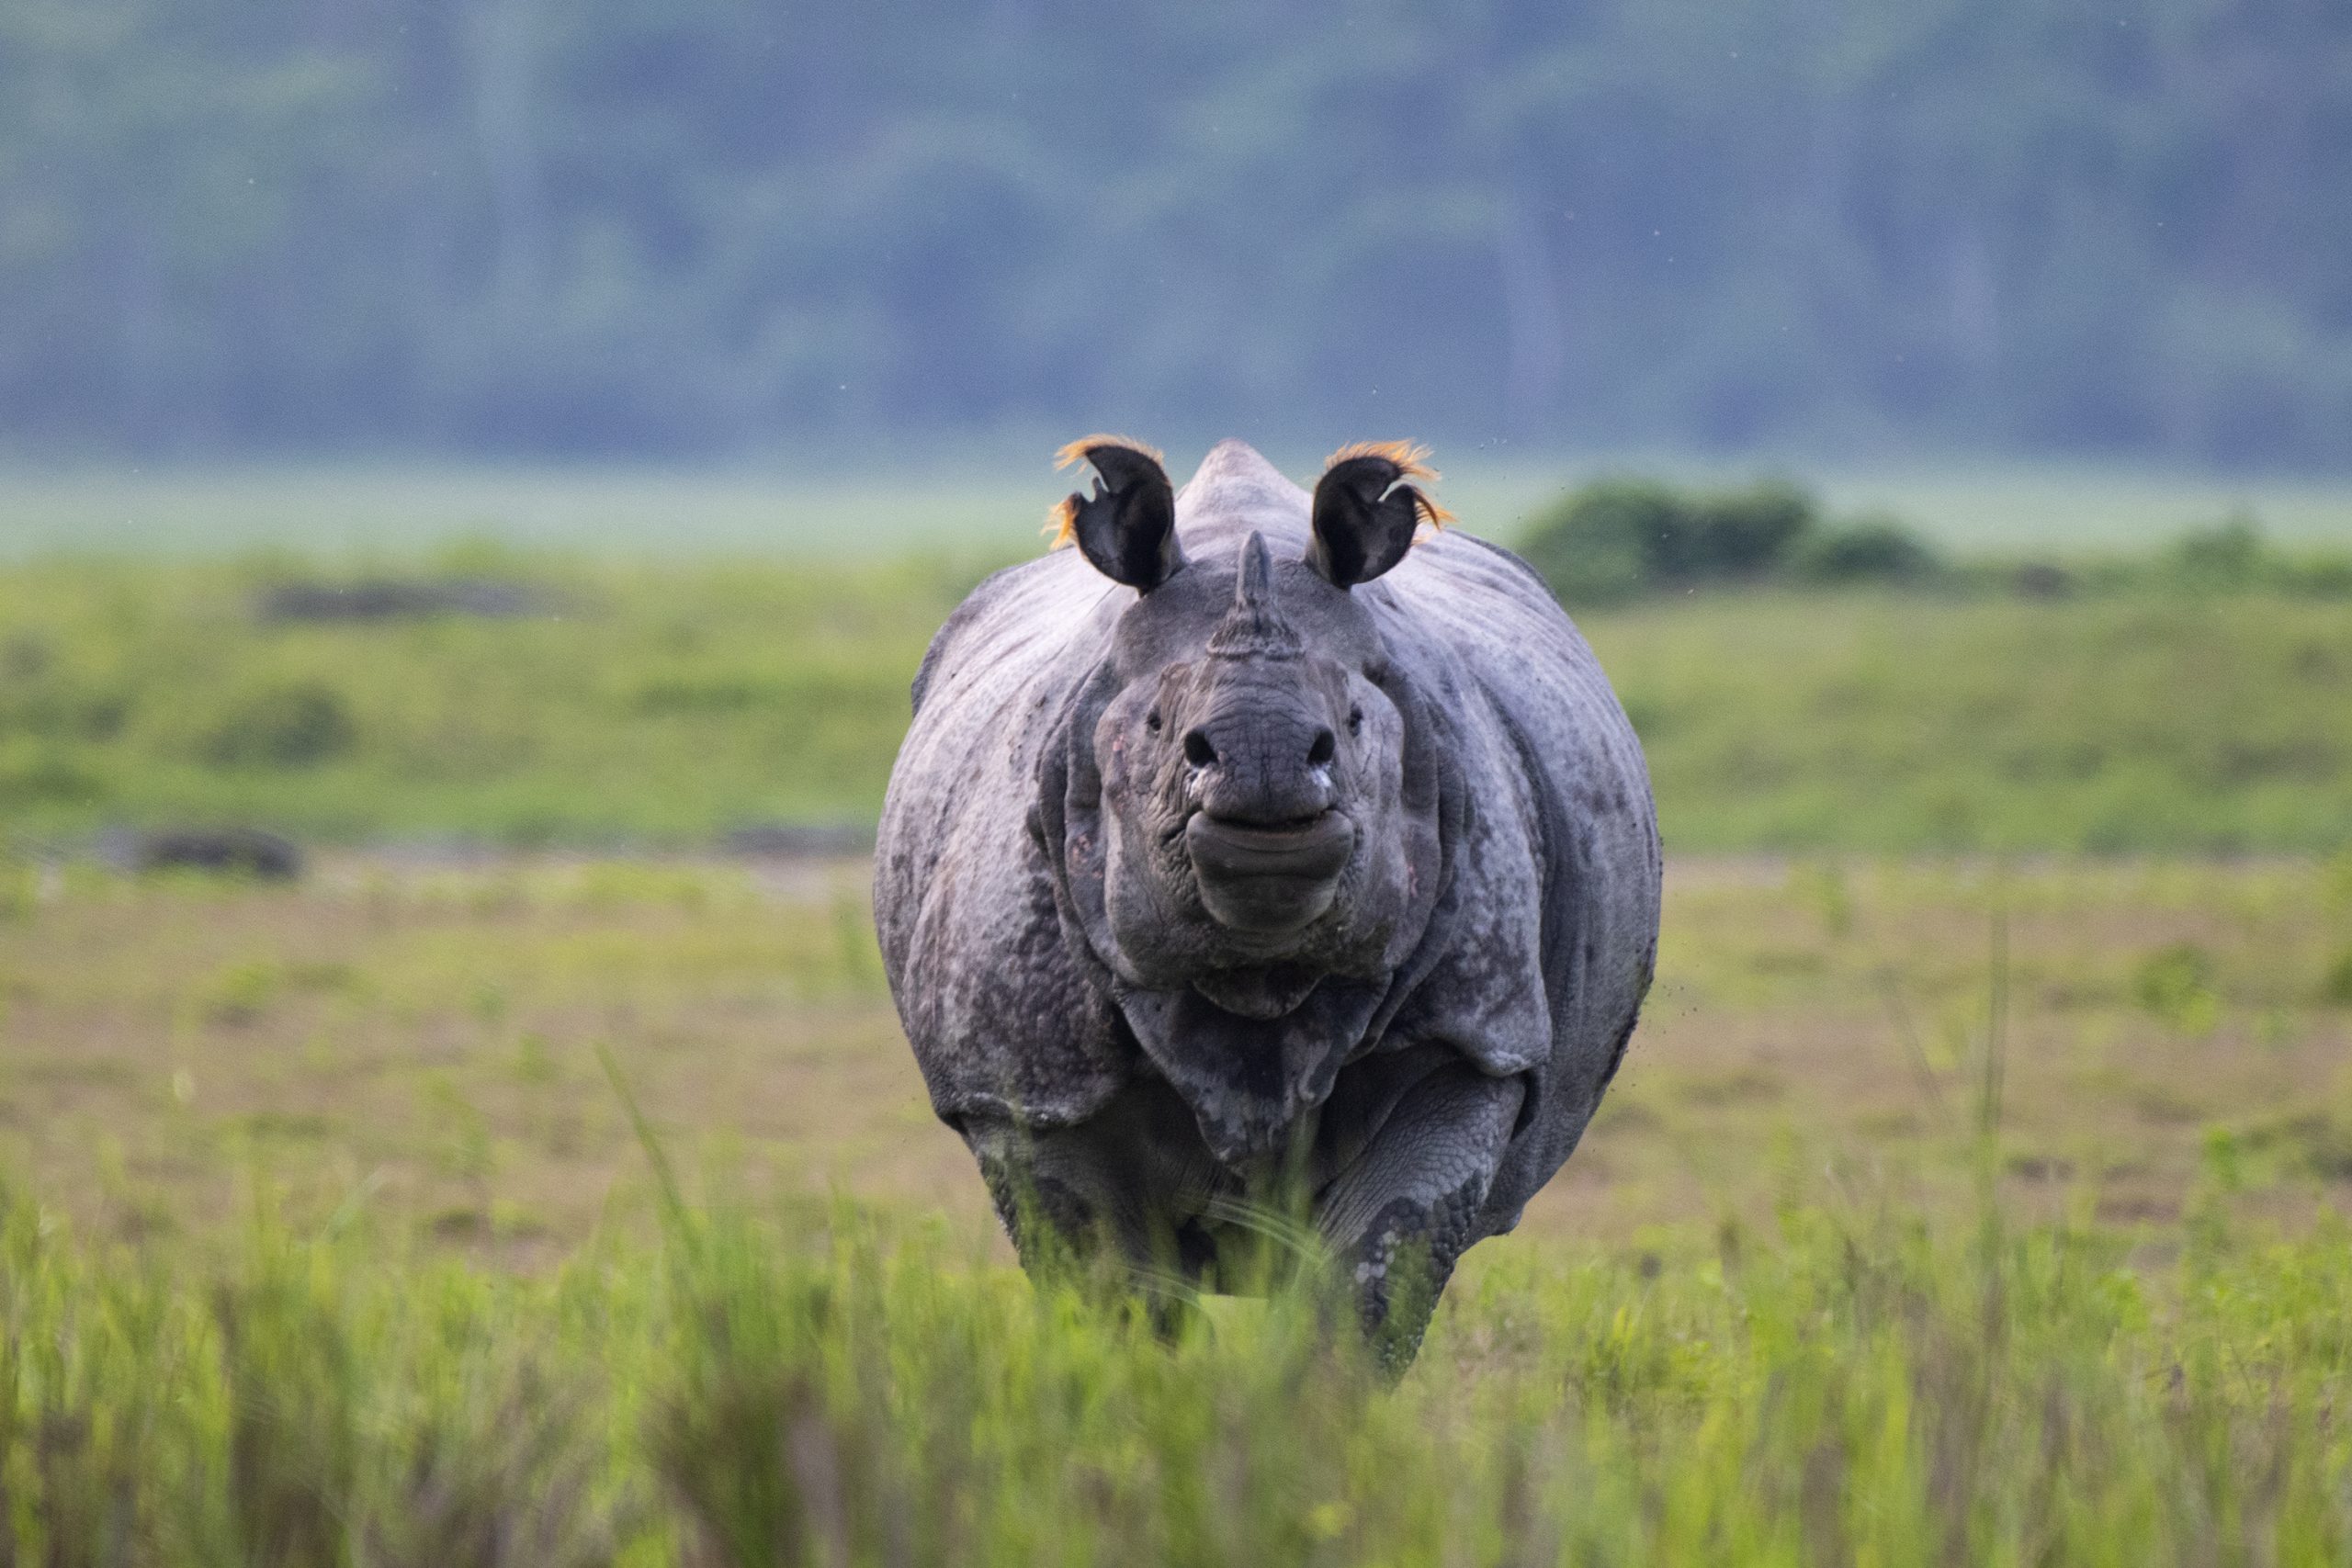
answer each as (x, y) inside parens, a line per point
(2324, 576)
(1734, 533)
(2040, 579)
(2232, 556)
(2336, 988)
(395, 598)
(2175, 984)
(1874, 549)
(239, 852)
(1618, 538)
(31, 775)
(297, 725)
(1598, 545)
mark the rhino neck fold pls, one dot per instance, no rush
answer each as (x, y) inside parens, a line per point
(1267, 993)
(1250, 1081)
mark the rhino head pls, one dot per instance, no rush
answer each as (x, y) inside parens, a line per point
(1247, 772)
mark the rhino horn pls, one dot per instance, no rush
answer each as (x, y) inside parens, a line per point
(1254, 627)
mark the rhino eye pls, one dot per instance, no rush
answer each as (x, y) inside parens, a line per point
(1151, 721)
(1355, 721)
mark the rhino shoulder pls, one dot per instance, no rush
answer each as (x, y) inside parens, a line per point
(1004, 1018)
(978, 607)
(1543, 945)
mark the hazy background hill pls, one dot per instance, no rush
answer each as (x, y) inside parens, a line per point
(728, 227)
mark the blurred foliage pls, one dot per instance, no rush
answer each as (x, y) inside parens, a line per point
(506, 225)
(2175, 984)
(2152, 704)
(665, 703)
(2337, 987)
(1619, 538)
(2230, 556)
(1622, 539)
(1872, 549)
(2108, 722)
(297, 724)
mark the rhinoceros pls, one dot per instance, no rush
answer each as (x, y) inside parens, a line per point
(1253, 839)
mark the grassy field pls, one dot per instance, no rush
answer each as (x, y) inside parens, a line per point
(1838, 1389)
(1943, 1213)
(422, 1038)
(670, 703)
(1964, 1199)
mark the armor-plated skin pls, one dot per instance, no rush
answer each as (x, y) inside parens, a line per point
(1291, 862)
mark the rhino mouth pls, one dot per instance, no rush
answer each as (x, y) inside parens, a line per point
(1268, 879)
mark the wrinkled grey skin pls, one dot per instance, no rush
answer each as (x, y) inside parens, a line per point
(1253, 874)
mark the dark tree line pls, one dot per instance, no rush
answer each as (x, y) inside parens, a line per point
(714, 225)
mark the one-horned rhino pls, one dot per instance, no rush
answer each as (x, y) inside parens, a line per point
(1250, 841)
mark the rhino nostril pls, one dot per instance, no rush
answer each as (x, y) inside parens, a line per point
(1197, 750)
(1322, 748)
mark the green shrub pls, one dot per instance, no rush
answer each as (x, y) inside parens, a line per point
(1617, 538)
(1738, 532)
(2176, 983)
(2230, 554)
(2323, 576)
(45, 774)
(1876, 549)
(297, 724)
(2336, 988)
(1595, 546)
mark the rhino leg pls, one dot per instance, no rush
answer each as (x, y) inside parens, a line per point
(1405, 1209)
(1125, 1185)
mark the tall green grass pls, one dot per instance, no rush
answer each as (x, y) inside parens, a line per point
(1852, 1387)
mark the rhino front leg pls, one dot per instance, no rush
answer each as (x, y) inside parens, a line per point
(1127, 1183)
(1052, 1191)
(1401, 1214)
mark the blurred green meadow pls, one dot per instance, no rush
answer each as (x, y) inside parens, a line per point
(541, 1178)
(670, 701)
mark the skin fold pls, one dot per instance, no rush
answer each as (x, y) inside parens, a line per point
(1253, 853)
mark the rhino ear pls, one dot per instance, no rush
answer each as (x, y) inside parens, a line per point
(1127, 527)
(1365, 515)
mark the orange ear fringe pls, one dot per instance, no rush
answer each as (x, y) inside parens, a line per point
(1412, 461)
(1411, 457)
(1061, 519)
(1077, 450)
